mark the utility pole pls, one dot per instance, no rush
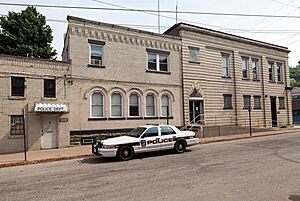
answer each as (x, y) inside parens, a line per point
(176, 10)
(158, 13)
(249, 109)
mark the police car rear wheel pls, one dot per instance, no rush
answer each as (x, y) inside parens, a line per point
(125, 153)
(180, 147)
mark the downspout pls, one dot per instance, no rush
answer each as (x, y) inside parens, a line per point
(235, 89)
(182, 83)
(287, 94)
(263, 92)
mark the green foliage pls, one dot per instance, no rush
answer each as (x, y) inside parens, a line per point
(295, 76)
(26, 34)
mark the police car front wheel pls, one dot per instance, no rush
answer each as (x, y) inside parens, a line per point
(125, 153)
(180, 147)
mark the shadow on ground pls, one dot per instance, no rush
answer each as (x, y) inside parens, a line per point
(294, 197)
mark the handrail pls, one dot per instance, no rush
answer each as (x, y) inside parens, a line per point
(193, 124)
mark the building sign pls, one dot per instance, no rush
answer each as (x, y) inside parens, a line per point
(47, 107)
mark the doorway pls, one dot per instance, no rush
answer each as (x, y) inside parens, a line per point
(273, 111)
(196, 110)
(49, 139)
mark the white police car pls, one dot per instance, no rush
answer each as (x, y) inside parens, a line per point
(146, 139)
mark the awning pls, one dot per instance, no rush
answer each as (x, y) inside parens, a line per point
(50, 107)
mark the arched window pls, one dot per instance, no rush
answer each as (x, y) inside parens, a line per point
(97, 109)
(165, 104)
(134, 105)
(150, 105)
(116, 105)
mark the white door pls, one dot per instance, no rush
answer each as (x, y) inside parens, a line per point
(49, 132)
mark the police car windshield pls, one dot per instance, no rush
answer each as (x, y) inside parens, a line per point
(137, 132)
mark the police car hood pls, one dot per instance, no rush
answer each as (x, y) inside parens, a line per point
(120, 140)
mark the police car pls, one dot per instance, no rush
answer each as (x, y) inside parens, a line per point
(145, 139)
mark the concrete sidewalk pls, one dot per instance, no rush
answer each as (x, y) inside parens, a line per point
(42, 156)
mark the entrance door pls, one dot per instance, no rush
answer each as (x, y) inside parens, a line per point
(196, 111)
(49, 132)
(274, 111)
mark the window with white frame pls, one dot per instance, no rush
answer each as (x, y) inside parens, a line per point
(245, 67)
(194, 54)
(97, 105)
(225, 65)
(255, 68)
(96, 55)
(257, 102)
(227, 101)
(158, 61)
(116, 105)
(150, 105)
(247, 101)
(271, 71)
(165, 106)
(134, 105)
(279, 72)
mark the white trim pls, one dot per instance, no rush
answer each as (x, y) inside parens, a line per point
(122, 103)
(155, 104)
(139, 104)
(102, 53)
(169, 105)
(196, 98)
(103, 104)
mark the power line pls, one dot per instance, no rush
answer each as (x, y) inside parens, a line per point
(286, 4)
(152, 11)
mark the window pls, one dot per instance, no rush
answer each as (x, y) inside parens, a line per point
(150, 105)
(166, 130)
(49, 88)
(255, 69)
(194, 54)
(271, 71)
(134, 108)
(96, 55)
(17, 125)
(165, 105)
(281, 103)
(17, 86)
(245, 67)
(151, 132)
(97, 105)
(225, 65)
(257, 102)
(279, 72)
(247, 101)
(116, 105)
(227, 101)
(158, 61)
(296, 97)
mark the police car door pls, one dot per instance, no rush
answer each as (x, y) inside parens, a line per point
(167, 137)
(150, 140)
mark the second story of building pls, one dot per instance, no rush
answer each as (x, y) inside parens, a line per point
(110, 52)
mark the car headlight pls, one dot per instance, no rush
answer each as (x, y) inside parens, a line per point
(108, 146)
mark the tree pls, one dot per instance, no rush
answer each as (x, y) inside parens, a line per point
(295, 76)
(26, 34)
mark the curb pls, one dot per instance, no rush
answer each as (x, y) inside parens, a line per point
(44, 160)
(244, 137)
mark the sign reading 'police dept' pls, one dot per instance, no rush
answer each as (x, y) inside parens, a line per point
(46, 107)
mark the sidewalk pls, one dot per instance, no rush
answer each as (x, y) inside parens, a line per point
(42, 156)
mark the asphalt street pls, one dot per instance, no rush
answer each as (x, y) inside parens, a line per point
(266, 168)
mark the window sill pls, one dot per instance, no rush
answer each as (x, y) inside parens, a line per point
(226, 77)
(155, 71)
(282, 108)
(245, 108)
(48, 99)
(194, 62)
(95, 66)
(280, 82)
(150, 117)
(97, 119)
(116, 118)
(255, 80)
(171, 117)
(134, 118)
(16, 97)
(272, 82)
(257, 108)
(227, 108)
(15, 136)
(246, 79)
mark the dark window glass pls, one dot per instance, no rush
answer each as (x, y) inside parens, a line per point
(17, 86)
(271, 72)
(134, 105)
(245, 67)
(151, 61)
(163, 63)
(281, 103)
(96, 55)
(257, 102)
(279, 72)
(225, 65)
(247, 102)
(17, 125)
(255, 68)
(227, 101)
(151, 132)
(166, 130)
(49, 88)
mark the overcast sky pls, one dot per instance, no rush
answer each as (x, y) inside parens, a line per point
(280, 31)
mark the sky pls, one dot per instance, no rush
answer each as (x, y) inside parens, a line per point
(279, 31)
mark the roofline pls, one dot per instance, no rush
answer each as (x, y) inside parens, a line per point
(2, 56)
(232, 36)
(78, 19)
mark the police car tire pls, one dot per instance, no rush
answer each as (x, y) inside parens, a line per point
(125, 153)
(180, 146)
